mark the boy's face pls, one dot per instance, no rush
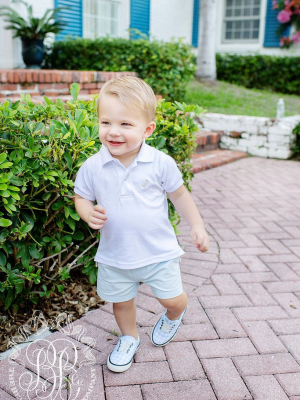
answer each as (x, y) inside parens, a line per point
(122, 129)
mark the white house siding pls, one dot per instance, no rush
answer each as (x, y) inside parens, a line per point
(11, 49)
(250, 48)
(171, 18)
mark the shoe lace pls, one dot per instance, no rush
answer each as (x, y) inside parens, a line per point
(165, 327)
(124, 346)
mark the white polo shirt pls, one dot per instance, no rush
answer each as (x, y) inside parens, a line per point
(137, 231)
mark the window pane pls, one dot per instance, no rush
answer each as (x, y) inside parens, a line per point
(255, 35)
(238, 24)
(237, 34)
(229, 3)
(237, 12)
(256, 11)
(247, 12)
(229, 12)
(248, 2)
(229, 35)
(247, 24)
(229, 25)
(256, 24)
(246, 35)
(238, 3)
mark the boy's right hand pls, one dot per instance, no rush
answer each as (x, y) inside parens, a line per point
(97, 217)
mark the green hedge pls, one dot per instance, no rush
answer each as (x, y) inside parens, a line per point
(166, 66)
(280, 74)
(42, 147)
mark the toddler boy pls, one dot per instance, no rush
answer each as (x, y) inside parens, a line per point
(129, 181)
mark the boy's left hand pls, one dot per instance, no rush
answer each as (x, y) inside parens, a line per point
(200, 238)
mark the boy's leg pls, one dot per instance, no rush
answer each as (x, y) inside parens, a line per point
(125, 315)
(175, 306)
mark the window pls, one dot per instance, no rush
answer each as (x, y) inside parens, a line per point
(101, 18)
(241, 22)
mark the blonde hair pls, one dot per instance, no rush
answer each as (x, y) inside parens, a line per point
(131, 91)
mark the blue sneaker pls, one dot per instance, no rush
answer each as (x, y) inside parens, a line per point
(120, 359)
(165, 329)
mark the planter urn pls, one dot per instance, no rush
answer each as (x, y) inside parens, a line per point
(33, 52)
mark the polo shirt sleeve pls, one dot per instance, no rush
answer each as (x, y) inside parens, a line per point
(84, 183)
(171, 177)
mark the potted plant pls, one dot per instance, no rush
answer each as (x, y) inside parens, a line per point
(32, 31)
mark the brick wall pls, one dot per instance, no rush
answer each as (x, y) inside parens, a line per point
(52, 83)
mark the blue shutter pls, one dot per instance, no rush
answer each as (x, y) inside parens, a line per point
(140, 16)
(271, 38)
(196, 13)
(71, 17)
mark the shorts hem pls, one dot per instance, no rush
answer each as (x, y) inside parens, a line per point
(168, 295)
(116, 299)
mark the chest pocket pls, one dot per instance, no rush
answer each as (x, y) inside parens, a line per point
(147, 189)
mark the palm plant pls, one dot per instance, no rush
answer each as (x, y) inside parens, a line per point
(32, 28)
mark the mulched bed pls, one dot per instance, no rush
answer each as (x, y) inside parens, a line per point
(78, 298)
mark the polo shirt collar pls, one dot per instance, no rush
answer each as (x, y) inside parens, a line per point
(145, 154)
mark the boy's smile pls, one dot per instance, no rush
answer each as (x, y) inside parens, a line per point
(121, 128)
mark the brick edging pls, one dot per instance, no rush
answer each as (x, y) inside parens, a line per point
(53, 82)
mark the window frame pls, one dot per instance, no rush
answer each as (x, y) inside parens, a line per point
(87, 33)
(241, 18)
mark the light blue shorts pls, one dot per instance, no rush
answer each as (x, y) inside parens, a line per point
(116, 285)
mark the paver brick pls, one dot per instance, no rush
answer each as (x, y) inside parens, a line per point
(255, 277)
(224, 301)
(139, 373)
(225, 379)
(132, 392)
(265, 387)
(280, 287)
(289, 302)
(277, 247)
(292, 343)
(224, 348)
(280, 258)
(225, 284)
(283, 271)
(250, 240)
(263, 338)
(147, 352)
(101, 319)
(87, 380)
(259, 313)
(13, 377)
(230, 269)
(252, 251)
(194, 313)
(266, 364)
(200, 390)
(5, 396)
(253, 263)
(195, 332)
(290, 383)
(227, 256)
(285, 326)
(225, 323)
(258, 294)
(183, 354)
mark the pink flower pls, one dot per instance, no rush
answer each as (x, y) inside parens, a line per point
(296, 37)
(284, 16)
(287, 2)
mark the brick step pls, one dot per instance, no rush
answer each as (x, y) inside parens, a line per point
(207, 141)
(214, 158)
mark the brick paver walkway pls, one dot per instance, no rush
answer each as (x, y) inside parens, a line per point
(240, 338)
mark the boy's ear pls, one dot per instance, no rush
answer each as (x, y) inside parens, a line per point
(149, 130)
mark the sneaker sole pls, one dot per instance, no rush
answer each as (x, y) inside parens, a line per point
(162, 345)
(120, 368)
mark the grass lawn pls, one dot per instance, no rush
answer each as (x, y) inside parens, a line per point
(225, 98)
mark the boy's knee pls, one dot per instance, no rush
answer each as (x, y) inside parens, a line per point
(175, 302)
(123, 305)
